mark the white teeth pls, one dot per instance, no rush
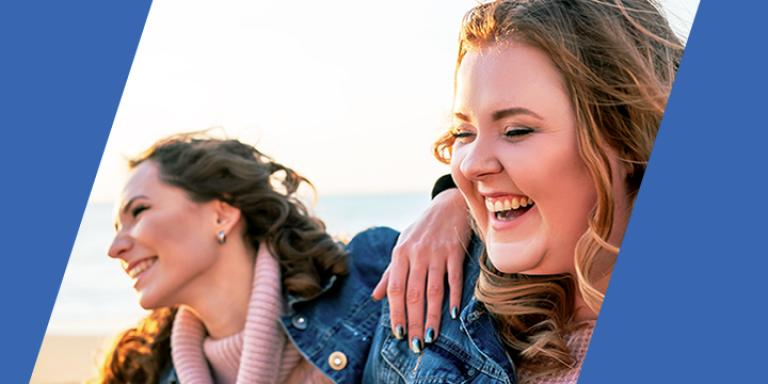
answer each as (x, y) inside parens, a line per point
(507, 204)
(139, 268)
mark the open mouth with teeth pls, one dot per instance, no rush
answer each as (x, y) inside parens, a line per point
(508, 208)
(136, 270)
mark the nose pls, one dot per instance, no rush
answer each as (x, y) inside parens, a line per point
(480, 160)
(120, 245)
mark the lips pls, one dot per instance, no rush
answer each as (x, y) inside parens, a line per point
(136, 268)
(508, 207)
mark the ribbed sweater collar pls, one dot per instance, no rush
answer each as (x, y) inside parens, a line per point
(257, 354)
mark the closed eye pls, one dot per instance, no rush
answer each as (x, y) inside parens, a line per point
(462, 135)
(516, 132)
(135, 212)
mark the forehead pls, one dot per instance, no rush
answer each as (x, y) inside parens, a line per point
(501, 75)
(144, 178)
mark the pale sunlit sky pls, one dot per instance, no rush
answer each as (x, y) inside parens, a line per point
(349, 93)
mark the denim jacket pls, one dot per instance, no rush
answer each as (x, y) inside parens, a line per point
(467, 350)
(347, 335)
(334, 330)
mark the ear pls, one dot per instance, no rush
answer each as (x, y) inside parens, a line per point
(227, 217)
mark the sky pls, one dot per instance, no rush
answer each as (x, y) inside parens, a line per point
(350, 94)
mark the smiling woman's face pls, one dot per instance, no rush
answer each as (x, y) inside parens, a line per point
(165, 241)
(516, 159)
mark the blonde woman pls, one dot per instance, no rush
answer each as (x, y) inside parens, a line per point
(556, 106)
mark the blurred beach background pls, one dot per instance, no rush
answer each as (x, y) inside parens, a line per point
(350, 94)
(96, 300)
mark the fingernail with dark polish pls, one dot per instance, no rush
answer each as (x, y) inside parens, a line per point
(429, 336)
(416, 345)
(399, 332)
(455, 313)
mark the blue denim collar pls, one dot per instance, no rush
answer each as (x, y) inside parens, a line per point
(291, 300)
(479, 326)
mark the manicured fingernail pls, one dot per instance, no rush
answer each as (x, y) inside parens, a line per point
(455, 312)
(416, 345)
(429, 336)
(399, 332)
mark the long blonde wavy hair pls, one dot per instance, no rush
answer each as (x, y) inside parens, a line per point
(618, 59)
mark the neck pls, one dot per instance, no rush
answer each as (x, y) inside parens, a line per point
(220, 297)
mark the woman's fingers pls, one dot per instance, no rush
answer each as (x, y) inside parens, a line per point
(414, 301)
(381, 288)
(455, 283)
(415, 278)
(397, 275)
(435, 291)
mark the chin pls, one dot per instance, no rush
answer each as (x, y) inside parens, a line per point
(149, 302)
(513, 257)
(509, 265)
(147, 305)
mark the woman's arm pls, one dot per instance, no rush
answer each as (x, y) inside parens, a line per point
(425, 251)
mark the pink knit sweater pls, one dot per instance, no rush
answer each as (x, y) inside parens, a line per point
(260, 353)
(578, 342)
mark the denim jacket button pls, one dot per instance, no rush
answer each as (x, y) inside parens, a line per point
(337, 360)
(299, 322)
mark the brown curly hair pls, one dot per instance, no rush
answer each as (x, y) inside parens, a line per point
(265, 192)
(618, 59)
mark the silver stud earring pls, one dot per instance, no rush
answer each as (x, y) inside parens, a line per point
(221, 237)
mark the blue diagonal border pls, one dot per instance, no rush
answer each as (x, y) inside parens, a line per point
(63, 66)
(687, 301)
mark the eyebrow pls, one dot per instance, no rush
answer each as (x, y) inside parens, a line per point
(461, 116)
(503, 113)
(498, 115)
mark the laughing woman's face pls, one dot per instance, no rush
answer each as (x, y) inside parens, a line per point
(165, 241)
(516, 159)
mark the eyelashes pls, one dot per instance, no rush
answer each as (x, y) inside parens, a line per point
(135, 212)
(462, 136)
(132, 213)
(517, 131)
(459, 134)
(511, 132)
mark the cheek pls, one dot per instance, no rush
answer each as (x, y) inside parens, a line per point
(567, 198)
(457, 156)
(551, 172)
(185, 251)
(179, 231)
(458, 177)
(466, 187)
